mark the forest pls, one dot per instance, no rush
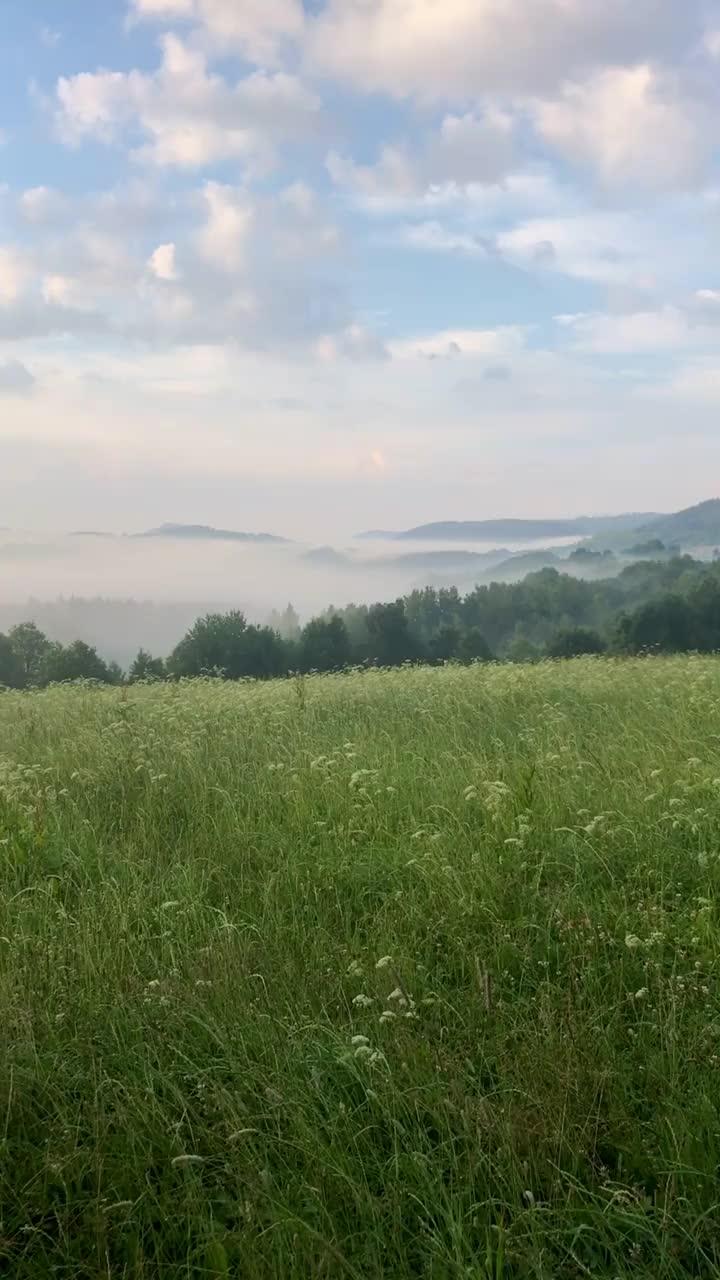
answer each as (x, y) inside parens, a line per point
(665, 606)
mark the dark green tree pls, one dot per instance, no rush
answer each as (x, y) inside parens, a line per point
(390, 639)
(224, 644)
(668, 624)
(704, 600)
(145, 667)
(324, 645)
(445, 644)
(12, 675)
(473, 646)
(32, 647)
(572, 642)
(77, 661)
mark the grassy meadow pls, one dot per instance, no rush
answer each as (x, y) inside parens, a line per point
(405, 974)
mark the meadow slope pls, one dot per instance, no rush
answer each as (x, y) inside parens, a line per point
(405, 974)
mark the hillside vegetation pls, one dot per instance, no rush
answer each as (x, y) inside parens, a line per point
(406, 974)
(669, 605)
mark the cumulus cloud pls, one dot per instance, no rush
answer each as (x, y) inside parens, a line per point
(223, 239)
(190, 116)
(162, 262)
(666, 329)
(263, 270)
(462, 49)
(457, 343)
(353, 343)
(631, 125)
(433, 237)
(15, 379)
(606, 247)
(13, 271)
(255, 28)
(476, 147)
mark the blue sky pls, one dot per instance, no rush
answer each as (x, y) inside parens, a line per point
(357, 263)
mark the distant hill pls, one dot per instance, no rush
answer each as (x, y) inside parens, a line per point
(442, 559)
(697, 526)
(205, 532)
(518, 567)
(329, 557)
(514, 530)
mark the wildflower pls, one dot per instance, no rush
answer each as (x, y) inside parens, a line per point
(632, 942)
(388, 1016)
(642, 994)
(167, 906)
(363, 1051)
(362, 1001)
(358, 1040)
(153, 984)
(354, 969)
(384, 962)
(399, 995)
(181, 1161)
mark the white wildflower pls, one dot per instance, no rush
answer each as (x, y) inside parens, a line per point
(180, 1161)
(632, 942)
(357, 1040)
(384, 962)
(362, 1001)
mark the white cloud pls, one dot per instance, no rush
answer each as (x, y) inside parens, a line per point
(15, 379)
(223, 239)
(608, 247)
(354, 343)
(162, 262)
(632, 125)
(456, 343)
(255, 28)
(667, 329)
(712, 42)
(433, 237)
(190, 116)
(265, 270)
(13, 271)
(39, 203)
(50, 37)
(463, 150)
(461, 49)
(696, 382)
(707, 305)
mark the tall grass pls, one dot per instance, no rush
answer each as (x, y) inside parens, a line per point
(407, 974)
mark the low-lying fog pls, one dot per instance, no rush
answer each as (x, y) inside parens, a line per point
(56, 581)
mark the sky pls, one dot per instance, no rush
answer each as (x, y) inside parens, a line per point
(318, 266)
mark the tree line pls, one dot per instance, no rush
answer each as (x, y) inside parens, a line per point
(665, 606)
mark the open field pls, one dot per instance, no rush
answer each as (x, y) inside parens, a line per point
(408, 974)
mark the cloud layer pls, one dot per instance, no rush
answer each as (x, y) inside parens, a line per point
(279, 238)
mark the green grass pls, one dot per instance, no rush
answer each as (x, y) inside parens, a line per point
(504, 879)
